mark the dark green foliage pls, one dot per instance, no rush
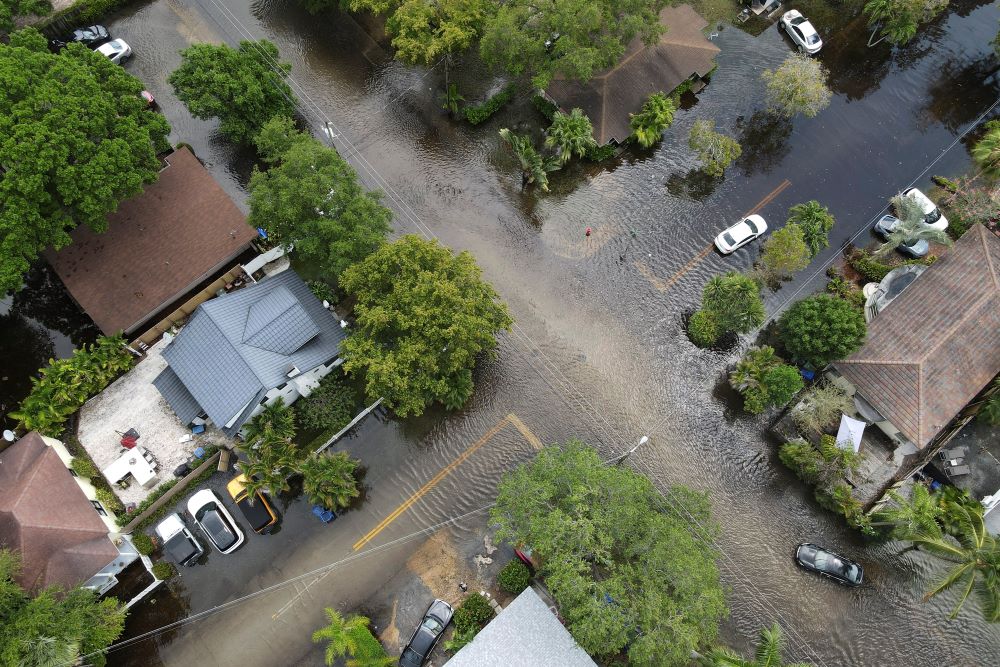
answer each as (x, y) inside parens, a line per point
(986, 152)
(351, 637)
(9, 9)
(545, 107)
(846, 290)
(458, 640)
(734, 300)
(474, 612)
(570, 134)
(243, 87)
(451, 100)
(331, 406)
(821, 329)
(815, 221)
(824, 467)
(163, 570)
(110, 501)
(703, 328)
(656, 115)
(600, 153)
(311, 198)
(77, 140)
(480, 113)
(601, 532)
(84, 467)
(534, 167)
(764, 380)
(514, 577)
(271, 456)
(143, 543)
(65, 384)
(60, 625)
(946, 183)
(329, 479)
(322, 291)
(970, 205)
(990, 412)
(424, 315)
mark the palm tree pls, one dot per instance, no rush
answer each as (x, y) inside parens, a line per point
(270, 463)
(976, 558)
(534, 168)
(911, 227)
(987, 150)
(768, 653)
(276, 418)
(917, 514)
(50, 652)
(451, 100)
(340, 633)
(328, 479)
(570, 134)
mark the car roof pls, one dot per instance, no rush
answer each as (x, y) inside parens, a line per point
(180, 547)
(218, 527)
(256, 514)
(172, 523)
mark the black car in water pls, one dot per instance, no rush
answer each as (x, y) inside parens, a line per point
(91, 36)
(827, 563)
(426, 636)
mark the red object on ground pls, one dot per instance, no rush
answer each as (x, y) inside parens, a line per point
(128, 442)
(587, 233)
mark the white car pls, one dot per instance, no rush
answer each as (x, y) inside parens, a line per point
(737, 236)
(801, 31)
(117, 51)
(178, 542)
(215, 520)
(932, 215)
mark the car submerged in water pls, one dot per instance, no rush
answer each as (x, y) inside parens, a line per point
(829, 564)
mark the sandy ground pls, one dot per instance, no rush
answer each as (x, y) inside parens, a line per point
(132, 401)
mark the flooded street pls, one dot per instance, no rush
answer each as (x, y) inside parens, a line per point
(599, 351)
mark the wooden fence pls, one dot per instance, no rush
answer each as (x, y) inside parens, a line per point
(178, 317)
(171, 493)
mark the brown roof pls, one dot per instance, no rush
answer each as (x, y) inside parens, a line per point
(159, 245)
(937, 344)
(45, 515)
(610, 96)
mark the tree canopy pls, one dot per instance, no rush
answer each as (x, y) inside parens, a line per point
(55, 625)
(715, 150)
(75, 139)
(734, 301)
(243, 87)
(797, 86)
(821, 329)
(815, 221)
(311, 198)
(571, 38)
(424, 30)
(656, 115)
(785, 252)
(9, 9)
(423, 316)
(601, 532)
(570, 134)
(764, 379)
(898, 20)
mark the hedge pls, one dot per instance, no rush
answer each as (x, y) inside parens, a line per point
(480, 113)
(474, 612)
(514, 577)
(545, 107)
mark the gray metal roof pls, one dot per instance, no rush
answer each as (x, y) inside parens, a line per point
(180, 399)
(236, 347)
(525, 634)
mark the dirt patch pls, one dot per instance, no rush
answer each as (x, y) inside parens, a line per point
(439, 566)
(390, 635)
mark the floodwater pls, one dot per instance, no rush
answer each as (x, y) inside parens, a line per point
(599, 350)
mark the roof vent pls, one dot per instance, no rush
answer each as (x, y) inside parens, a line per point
(293, 372)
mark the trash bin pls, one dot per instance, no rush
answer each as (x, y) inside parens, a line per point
(182, 470)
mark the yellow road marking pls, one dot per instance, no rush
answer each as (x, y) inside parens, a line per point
(417, 495)
(664, 285)
(767, 200)
(649, 275)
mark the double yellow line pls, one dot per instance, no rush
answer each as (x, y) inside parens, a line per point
(447, 470)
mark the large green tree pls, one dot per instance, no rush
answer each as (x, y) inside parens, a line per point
(898, 20)
(785, 252)
(623, 564)
(656, 115)
(311, 198)
(821, 329)
(715, 150)
(424, 31)
(768, 653)
(423, 316)
(75, 139)
(797, 86)
(734, 302)
(243, 87)
(571, 38)
(9, 9)
(52, 624)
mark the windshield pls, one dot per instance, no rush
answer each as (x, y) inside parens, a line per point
(432, 625)
(798, 20)
(833, 565)
(753, 227)
(728, 238)
(812, 39)
(932, 217)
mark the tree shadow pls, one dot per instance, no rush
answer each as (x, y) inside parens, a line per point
(695, 186)
(764, 139)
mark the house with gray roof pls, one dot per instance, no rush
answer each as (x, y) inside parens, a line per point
(525, 634)
(244, 350)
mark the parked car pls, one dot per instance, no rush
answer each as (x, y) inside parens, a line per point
(91, 36)
(259, 513)
(913, 248)
(825, 562)
(801, 31)
(426, 636)
(932, 214)
(215, 521)
(178, 542)
(743, 232)
(117, 51)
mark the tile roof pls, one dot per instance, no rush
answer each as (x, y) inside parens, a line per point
(610, 96)
(45, 515)
(937, 344)
(236, 347)
(525, 634)
(158, 246)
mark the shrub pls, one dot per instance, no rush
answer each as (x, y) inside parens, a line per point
(821, 328)
(821, 406)
(990, 412)
(875, 270)
(163, 570)
(514, 577)
(715, 150)
(825, 467)
(703, 328)
(600, 153)
(143, 543)
(545, 107)
(764, 380)
(110, 501)
(84, 467)
(331, 406)
(474, 612)
(480, 113)
(459, 640)
(656, 115)
(970, 205)
(785, 252)
(329, 479)
(322, 291)
(734, 300)
(846, 290)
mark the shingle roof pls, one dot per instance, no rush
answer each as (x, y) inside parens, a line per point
(236, 347)
(159, 245)
(610, 96)
(525, 634)
(937, 344)
(45, 515)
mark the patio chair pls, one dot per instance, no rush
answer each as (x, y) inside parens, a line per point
(959, 471)
(955, 452)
